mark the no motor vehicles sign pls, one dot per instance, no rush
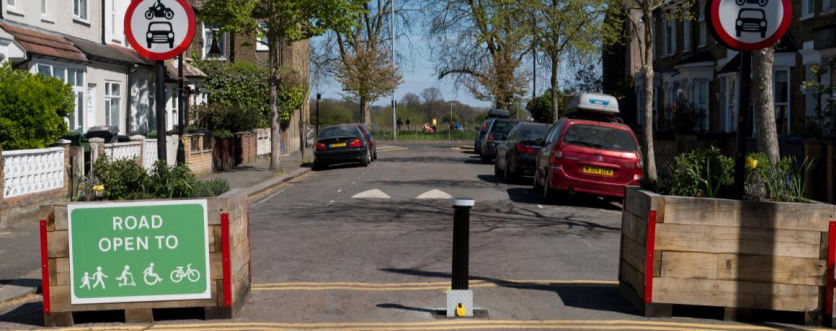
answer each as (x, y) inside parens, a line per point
(748, 25)
(139, 251)
(160, 29)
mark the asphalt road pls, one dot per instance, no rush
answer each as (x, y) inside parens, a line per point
(354, 248)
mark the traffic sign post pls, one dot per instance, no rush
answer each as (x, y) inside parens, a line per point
(139, 251)
(746, 26)
(160, 30)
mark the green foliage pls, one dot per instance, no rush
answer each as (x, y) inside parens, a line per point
(126, 180)
(701, 173)
(239, 96)
(541, 108)
(222, 133)
(291, 97)
(214, 117)
(32, 109)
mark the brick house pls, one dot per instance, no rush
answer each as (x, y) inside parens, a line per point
(689, 62)
(247, 48)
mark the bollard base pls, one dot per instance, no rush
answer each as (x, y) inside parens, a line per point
(456, 297)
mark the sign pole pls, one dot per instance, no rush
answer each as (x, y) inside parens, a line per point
(181, 114)
(160, 104)
(743, 126)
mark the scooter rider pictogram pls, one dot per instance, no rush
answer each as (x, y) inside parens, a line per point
(159, 10)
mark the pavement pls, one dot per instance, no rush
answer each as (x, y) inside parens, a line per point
(369, 248)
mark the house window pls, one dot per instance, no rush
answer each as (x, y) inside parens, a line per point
(210, 31)
(112, 99)
(728, 100)
(112, 15)
(11, 3)
(810, 103)
(80, 9)
(672, 24)
(686, 33)
(828, 5)
(261, 42)
(808, 8)
(700, 99)
(703, 31)
(74, 78)
(664, 38)
(782, 101)
(43, 7)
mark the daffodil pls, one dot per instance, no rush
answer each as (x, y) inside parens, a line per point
(98, 188)
(751, 163)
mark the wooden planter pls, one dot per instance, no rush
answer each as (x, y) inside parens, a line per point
(726, 253)
(229, 255)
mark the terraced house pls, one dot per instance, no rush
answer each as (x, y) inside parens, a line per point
(688, 62)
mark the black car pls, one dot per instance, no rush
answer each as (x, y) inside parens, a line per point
(517, 155)
(341, 144)
(496, 134)
(481, 131)
(160, 33)
(751, 20)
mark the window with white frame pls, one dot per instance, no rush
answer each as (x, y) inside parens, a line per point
(210, 32)
(74, 78)
(261, 42)
(112, 16)
(728, 101)
(703, 28)
(828, 5)
(113, 97)
(701, 99)
(11, 3)
(808, 8)
(80, 9)
(686, 32)
(782, 101)
(44, 8)
(673, 23)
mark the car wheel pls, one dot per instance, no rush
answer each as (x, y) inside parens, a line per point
(319, 166)
(549, 195)
(537, 187)
(509, 175)
(375, 154)
(366, 159)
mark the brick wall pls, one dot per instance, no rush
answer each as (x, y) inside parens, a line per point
(248, 147)
(198, 159)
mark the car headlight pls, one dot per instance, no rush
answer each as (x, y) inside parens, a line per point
(150, 35)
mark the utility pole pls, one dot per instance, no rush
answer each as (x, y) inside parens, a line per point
(394, 105)
(181, 114)
(450, 128)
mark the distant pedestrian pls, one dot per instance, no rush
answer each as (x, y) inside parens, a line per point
(408, 122)
(399, 123)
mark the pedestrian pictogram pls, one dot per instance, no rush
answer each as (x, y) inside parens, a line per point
(748, 25)
(160, 29)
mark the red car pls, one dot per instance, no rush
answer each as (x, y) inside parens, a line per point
(596, 155)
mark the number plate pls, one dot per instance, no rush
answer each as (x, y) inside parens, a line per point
(338, 145)
(598, 171)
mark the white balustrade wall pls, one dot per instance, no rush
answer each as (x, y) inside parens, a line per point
(150, 154)
(33, 171)
(263, 141)
(121, 151)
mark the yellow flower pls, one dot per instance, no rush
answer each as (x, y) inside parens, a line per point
(751, 163)
(98, 188)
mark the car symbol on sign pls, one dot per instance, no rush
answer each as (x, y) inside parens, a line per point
(160, 33)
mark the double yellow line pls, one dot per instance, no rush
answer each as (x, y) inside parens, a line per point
(425, 286)
(444, 325)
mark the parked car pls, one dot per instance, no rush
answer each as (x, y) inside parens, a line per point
(588, 151)
(496, 134)
(482, 130)
(751, 20)
(515, 157)
(370, 138)
(341, 144)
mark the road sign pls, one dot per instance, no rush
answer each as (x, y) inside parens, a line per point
(748, 25)
(139, 251)
(160, 29)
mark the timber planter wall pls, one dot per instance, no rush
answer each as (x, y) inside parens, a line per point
(229, 265)
(727, 253)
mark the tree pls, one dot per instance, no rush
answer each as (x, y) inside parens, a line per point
(640, 21)
(32, 109)
(360, 56)
(587, 78)
(481, 43)
(767, 133)
(431, 96)
(541, 109)
(563, 26)
(411, 100)
(282, 22)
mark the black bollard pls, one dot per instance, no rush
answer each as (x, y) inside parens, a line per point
(461, 241)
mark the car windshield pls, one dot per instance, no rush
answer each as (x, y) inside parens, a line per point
(339, 131)
(533, 132)
(600, 137)
(503, 127)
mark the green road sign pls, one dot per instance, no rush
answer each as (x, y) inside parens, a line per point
(139, 251)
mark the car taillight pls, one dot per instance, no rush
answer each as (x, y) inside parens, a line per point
(356, 143)
(484, 126)
(639, 156)
(557, 157)
(525, 149)
(320, 146)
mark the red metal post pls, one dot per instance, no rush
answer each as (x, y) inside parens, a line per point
(651, 251)
(45, 267)
(250, 244)
(831, 262)
(225, 249)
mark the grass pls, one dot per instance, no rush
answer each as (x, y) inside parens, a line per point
(422, 136)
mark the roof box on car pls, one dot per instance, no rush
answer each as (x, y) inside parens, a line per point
(499, 113)
(594, 104)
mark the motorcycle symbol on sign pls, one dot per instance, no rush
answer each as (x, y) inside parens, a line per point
(159, 10)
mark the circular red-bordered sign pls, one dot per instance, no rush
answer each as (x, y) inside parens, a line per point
(748, 25)
(160, 29)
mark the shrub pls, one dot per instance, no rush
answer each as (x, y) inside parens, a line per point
(32, 109)
(701, 173)
(222, 134)
(172, 182)
(238, 88)
(122, 179)
(214, 117)
(211, 188)
(126, 180)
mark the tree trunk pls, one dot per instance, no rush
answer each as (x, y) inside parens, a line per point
(767, 131)
(555, 88)
(367, 112)
(647, 68)
(275, 128)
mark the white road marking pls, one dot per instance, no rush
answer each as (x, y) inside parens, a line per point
(332, 201)
(540, 206)
(434, 194)
(267, 198)
(372, 194)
